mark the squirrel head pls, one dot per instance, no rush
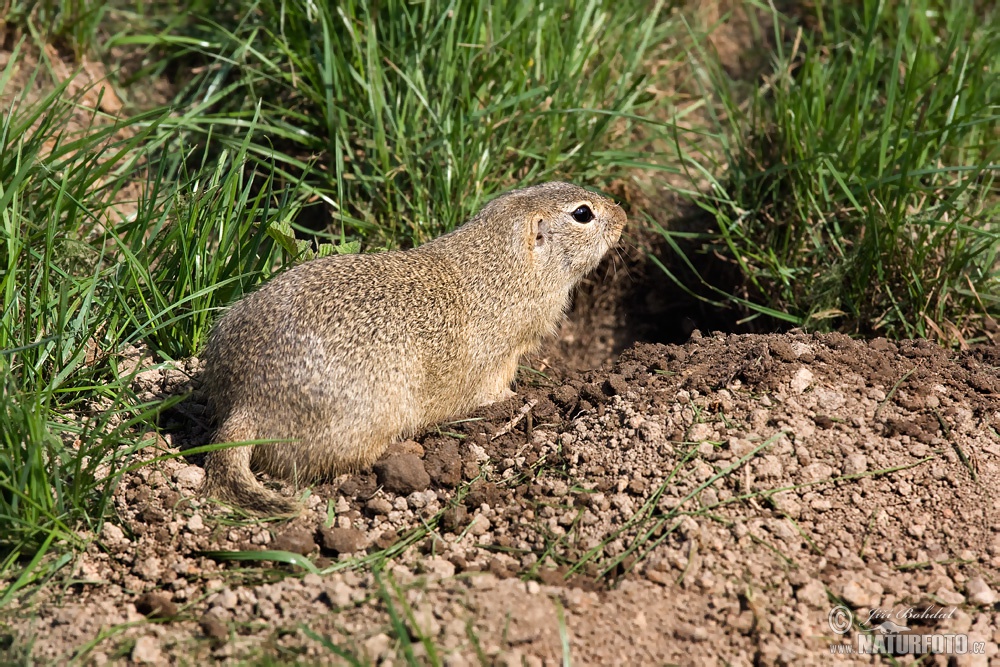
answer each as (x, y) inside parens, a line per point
(561, 229)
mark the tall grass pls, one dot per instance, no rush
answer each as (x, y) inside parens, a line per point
(857, 188)
(52, 190)
(200, 238)
(404, 116)
(86, 271)
(70, 23)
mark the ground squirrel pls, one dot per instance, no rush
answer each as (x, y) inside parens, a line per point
(342, 355)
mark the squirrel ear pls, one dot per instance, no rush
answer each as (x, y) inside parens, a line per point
(541, 230)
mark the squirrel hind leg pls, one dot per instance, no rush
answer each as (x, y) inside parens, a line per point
(228, 477)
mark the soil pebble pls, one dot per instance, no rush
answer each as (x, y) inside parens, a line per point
(402, 474)
(343, 540)
(295, 540)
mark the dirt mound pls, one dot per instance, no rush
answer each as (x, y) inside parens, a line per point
(697, 503)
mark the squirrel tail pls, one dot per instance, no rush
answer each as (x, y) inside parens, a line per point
(228, 476)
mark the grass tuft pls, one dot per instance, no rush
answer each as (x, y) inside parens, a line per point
(857, 188)
(87, 273)
(403, 118)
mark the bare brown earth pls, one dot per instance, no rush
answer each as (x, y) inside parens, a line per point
(705, 503)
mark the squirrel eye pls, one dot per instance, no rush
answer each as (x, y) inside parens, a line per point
(583, 214)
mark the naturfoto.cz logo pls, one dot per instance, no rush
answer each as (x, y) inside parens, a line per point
(888, 633)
